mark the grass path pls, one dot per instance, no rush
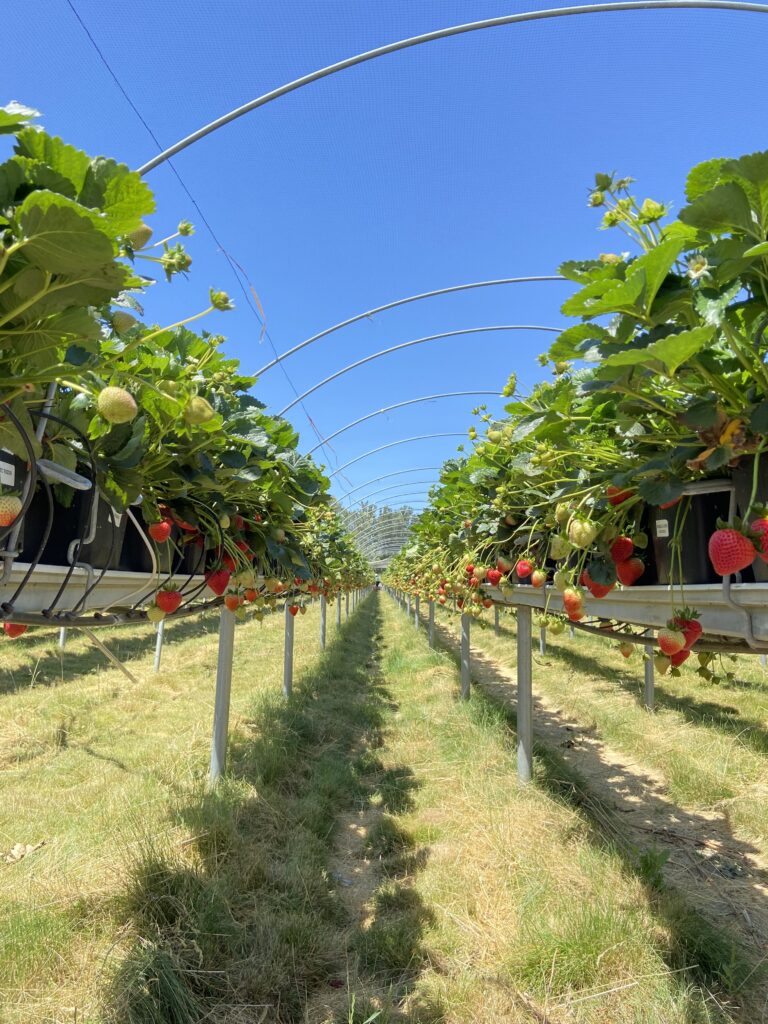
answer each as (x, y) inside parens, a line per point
(368, 858)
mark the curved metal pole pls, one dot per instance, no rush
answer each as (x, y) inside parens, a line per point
(392, 518)
(395, 540)
(408, 344)
(392, 444)
(387, 476)
(394, 535)
(400, 405)
(366, 497)
(443, 33)
(402, 302)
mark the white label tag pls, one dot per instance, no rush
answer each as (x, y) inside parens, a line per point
(662, 527)
(7, 472)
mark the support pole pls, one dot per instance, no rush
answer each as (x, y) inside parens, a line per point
(409, 605)
(431, 624)
(542, 639)
(159, 643)
(416, 618)
(223, 692)
(288, 653)
(323, 613)
(108, 654)
(346, 605)
(338, 610)
(62, 637)
(649, 681)
(496, 626)
(466, 679)
(572, 631)
(524, 696)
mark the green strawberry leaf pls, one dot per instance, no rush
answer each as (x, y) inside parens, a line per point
(724, 208)
(60, 236)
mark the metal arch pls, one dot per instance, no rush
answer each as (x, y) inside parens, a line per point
(367, 497)
(371, 542)
(392, 444)
(390, 519)
(401, 405)
(408, 344)
(443, 33)
(402, 302)
(387, 476)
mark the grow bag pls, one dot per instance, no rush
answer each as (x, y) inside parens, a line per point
(742, 479)
(13, 475)
(72, 524)
(697, 516)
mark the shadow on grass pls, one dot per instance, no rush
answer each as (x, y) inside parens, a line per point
(246, 923)
(716, 951)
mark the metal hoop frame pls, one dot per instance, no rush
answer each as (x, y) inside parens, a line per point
(392, 444)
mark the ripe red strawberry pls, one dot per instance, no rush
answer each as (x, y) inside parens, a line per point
(293, 609)
(250, 594)
(470, 569)
(680, 657)
(630, 571)
(161, 531)
(575, 616)
(459, 602)
(760, 527)
(524, 568)
(228, 562)
(441, 599)
(670, 504)
(687, 620)
(621, 549)
(232, 601)
(617, 495)
(168, 600)
(474, 581)
(493, 576)
(596, 589)
(14, 629)
(218, 581)
(730, 551)
(487, 603)
(238, 522)
(538, 578)
(10, 506)
(670, 641)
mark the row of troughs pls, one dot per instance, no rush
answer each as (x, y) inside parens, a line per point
(126, 445)
(643, 459)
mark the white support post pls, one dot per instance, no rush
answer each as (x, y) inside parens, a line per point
(409, 605)
(764, 660)
(346, 605)
(288, 653)
(159, 643)
(524, 696)
(542, 639)
(323, 614)
(431, 623)
(338, 610)
(496, 626)
(454, 603)
(223, 692)
(649, 680)
(62, 637)
(572, 631)
(416, 618)
(466, 679)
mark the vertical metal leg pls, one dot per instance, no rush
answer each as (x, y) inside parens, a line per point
(288, 653)
(416, 619)
(649, 681)
(223, 692)
(323, 614)
(62, 637)
(572, 632)
(159, 643)
(524, 696)
(431, 623)
(542, 640)
(346, 605)
(466, 679)
(338, 609)
(764, 660)
(454, 602)
(409, 606)
(107, 653)
(496, 626)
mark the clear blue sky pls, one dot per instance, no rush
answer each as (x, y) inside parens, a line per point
(456, 161)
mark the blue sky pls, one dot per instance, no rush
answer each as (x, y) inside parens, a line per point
(461, 160)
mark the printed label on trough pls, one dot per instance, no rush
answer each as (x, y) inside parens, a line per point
(7, 469)
(662, 527)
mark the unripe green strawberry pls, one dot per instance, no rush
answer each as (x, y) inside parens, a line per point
(198, 410)
(559, 548)
(661, 663)
(155, 614)
(626, 648)
(116, 405)
(140, 236)
(562, 514)
(561, 580)
(10, 507)
(122, 321)
(582, 532)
